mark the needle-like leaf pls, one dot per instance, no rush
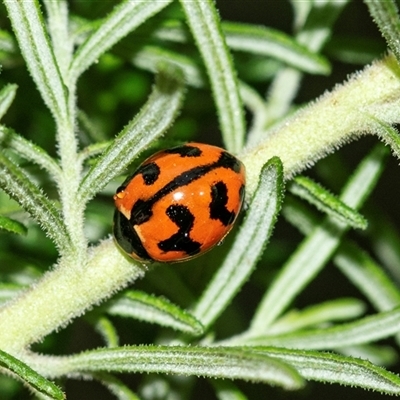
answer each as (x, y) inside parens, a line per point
(20, 187)
(212, 362)
(323, 200)
(203, 21)
(123, 19)
(30, 377)
(318, 247)
(151, 122)
(155, 310)
(248, 246)
(7, 95)
(35, 46)
(12, 226)
(328, 367)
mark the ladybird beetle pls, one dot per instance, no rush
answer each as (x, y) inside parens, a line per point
(179, 203)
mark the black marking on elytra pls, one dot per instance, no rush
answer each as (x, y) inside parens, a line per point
(150, 173)
(181, 240)
(185, 151)
(228, 161)
(225, 160)
(127, 237)
(219, 199)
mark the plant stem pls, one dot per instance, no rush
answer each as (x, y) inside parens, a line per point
(71, 166)
(337, 117)
(64, 293)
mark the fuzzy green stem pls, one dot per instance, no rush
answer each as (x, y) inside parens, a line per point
(63, 294)
(336, 118)
(71, 165)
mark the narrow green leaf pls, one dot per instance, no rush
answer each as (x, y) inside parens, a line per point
(301, 10)
(376, 327)
(300, 216)
(253, 101)
(284, 87)
(357, 265)
(314, 34)
(7, 95)
(257, 106)
(386, 16)
(248, 246)
(123, 19)
(150, 57)
(326, 312)
(272, 43)
(368, 276)
(94, 150)
(7, 42)
(152, 121)
(12, 226)
(61, 38)
(108, 332)
(30, 377)
(300, 269)
(305, 263)
(334, 368)
(81, 28)
(211, 362)
(385, 241)
(20, 187)
(205, 26)
(324, 201)
(389, 135)
(257, 40)
(30, 151)
(93, 129)
(155, 310)
(30, 32)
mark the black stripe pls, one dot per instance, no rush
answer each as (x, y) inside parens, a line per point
(141, 210)
(185, 151)
(181, 240)
(219, 199)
